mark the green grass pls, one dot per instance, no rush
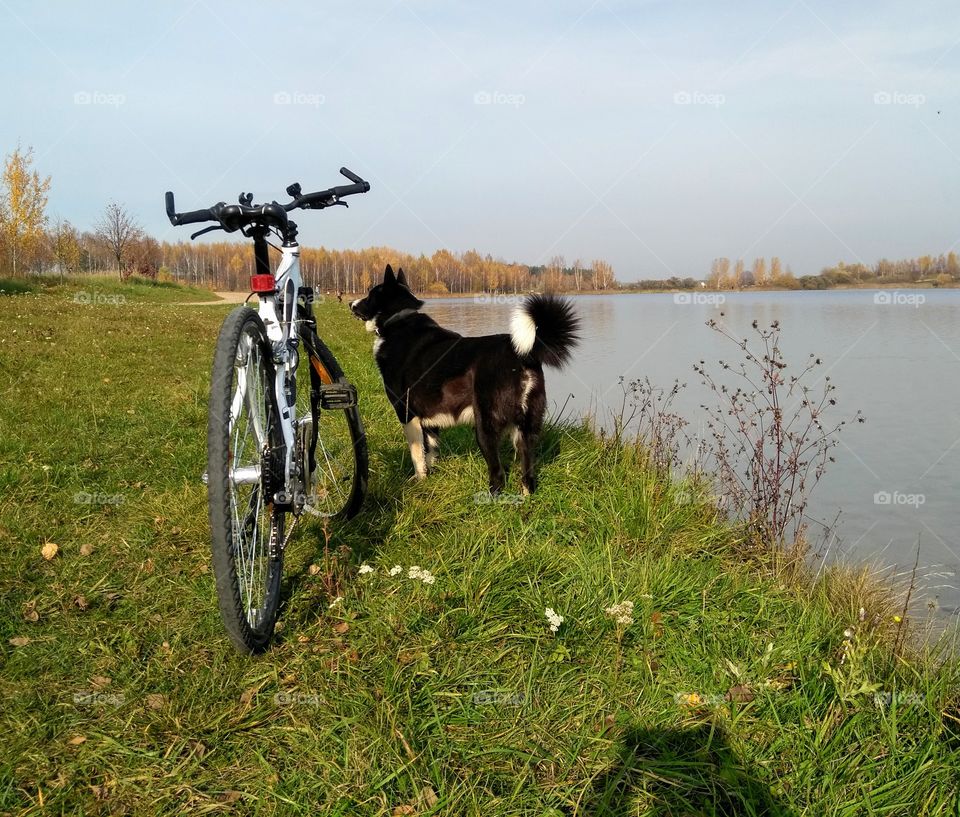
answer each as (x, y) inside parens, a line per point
(106, 290)
(409, 698)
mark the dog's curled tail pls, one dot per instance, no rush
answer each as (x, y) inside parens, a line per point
(545, 328)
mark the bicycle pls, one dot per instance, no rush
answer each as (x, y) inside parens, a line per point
(273, 450)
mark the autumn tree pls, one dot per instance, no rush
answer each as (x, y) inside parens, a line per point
(759, 271)
(65, 247)
(23, 200)
(739, 272)
(118, 230)
(719, 273)
(602, 274)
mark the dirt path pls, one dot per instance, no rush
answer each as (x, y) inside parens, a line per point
(224, 298)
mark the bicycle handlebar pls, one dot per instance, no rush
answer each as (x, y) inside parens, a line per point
(234, 216)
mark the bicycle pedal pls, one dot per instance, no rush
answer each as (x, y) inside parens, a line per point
(338, 396)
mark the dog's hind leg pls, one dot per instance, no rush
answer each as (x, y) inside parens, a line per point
(526, 435)
(413, 432)
(488, 437)
(431, 446)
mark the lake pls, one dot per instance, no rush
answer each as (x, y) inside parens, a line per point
(895, 355)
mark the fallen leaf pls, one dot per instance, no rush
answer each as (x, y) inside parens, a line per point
(100, 681)
(155, 700)
(313, 570)
(165, 648)
(740, 693)
(86, 549)
(403, 811)
(148, 566)
(81, 601)
(341, 627)
(30, 611)
(76, 740)
(19, 641)
(691, 699)
(429, 796)
(248, 696)
(230, 796)
(49, 550)
(100, 792)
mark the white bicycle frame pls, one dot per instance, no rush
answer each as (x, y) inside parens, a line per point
(284, 340)
(283, 335)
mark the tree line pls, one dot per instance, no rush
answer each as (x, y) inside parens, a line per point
(30, 243)
(939, 270)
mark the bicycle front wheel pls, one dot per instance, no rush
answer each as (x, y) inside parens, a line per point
(245, 459)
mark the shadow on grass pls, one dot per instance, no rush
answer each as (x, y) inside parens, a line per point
(674, 772)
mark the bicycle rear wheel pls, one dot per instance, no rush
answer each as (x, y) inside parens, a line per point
(339, 460)
(245, 464)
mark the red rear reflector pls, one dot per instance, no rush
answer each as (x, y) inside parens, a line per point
(263, 284)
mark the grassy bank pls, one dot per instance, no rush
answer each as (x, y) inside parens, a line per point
(105, 290)
(730, 692)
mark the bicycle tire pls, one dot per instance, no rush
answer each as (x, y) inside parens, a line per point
(329, 374)
(249, 628)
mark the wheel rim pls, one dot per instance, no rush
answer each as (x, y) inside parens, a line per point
(254, 525)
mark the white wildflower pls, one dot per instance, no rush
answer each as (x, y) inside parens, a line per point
(335, 602)
(396, 570)
(554, 618)
(417, 572)
(365, 569)
(622, 613)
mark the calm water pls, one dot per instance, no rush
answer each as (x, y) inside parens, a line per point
(899, 362)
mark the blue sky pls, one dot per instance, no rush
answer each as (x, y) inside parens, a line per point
(657, 135)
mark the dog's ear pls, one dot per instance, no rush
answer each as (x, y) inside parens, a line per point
(401, 278)
(388, 277)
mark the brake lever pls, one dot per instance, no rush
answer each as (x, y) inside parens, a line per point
(206, 230)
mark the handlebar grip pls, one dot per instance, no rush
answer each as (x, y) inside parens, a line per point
(350, 189)
(195, 216)
(171, 209)
(344, 171)
(192, 217)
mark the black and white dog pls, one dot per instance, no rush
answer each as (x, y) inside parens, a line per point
(436, 378)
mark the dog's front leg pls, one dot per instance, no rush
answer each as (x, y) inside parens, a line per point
(413, 431)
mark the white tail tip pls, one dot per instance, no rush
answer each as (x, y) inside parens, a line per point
(523, 331)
